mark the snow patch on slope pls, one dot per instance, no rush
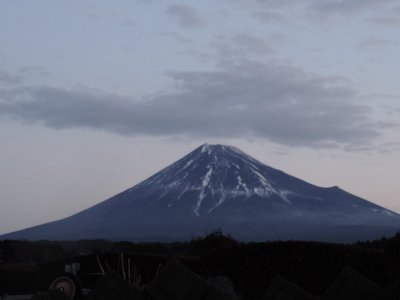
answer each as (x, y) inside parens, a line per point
(221, 199)
(243, 186)
(284, 195)
(263, 180)
(389, 213)
(205, 147)
(206, 180)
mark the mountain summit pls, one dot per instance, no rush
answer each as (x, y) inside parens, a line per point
(217, 186)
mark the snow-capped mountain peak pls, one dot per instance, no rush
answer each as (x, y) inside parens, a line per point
(218, 186)
(214, 174)
(219, 176)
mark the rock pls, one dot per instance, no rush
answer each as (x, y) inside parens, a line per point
(223, 284)
(392, 292)
(176, 282)
(350, 284)
(282, 289)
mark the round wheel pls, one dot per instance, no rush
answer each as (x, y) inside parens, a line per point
(66, 284)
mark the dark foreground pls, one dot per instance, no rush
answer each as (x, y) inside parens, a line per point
(214, 267)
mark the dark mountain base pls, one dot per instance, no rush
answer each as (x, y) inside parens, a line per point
(149, 231)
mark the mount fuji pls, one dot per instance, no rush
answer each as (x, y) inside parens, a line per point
(217, 186)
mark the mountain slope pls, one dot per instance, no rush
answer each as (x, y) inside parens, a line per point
(218, 186)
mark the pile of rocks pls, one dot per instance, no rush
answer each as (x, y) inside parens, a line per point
(174, 281)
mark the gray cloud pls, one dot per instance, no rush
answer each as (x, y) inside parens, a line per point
(177, 37)
(250, 42)
(247, 99)
(375, 42)
(268, 3)
(323, 6)
(186, 15)
(129, 23)
(145, 1)
(241, 45)
(347, 6)
(270, 17)
(7, 78)
(385, 20)
(278, 12)
(21, 76)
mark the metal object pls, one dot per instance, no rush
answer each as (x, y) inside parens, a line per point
(72, 268)
(66, 284)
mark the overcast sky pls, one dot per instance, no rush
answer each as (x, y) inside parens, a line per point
(97, 95)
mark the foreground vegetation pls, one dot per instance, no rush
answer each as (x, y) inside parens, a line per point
(28, 266)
